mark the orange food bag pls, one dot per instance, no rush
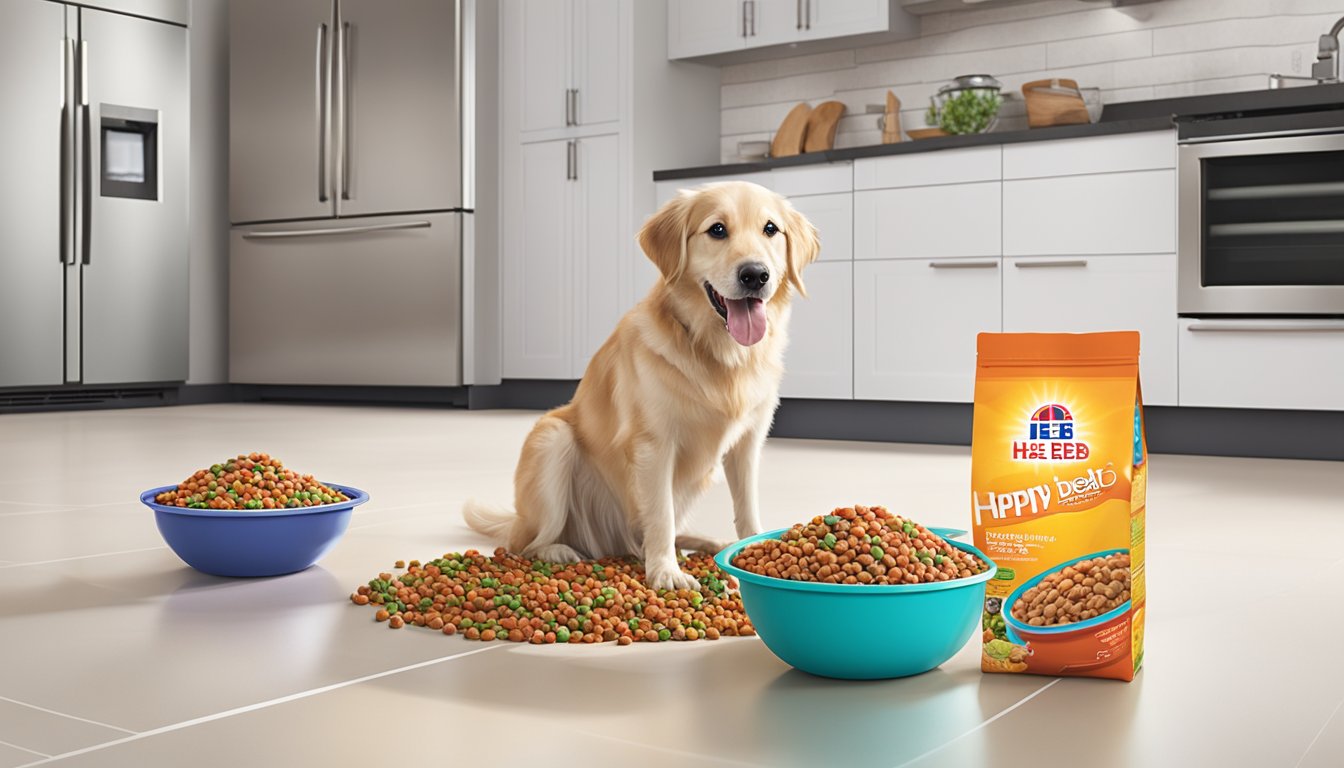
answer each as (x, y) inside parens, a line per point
(1059, 476)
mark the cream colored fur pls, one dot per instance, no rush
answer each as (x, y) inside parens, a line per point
(666, 400)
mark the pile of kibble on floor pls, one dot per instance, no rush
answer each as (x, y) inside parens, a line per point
(508, 597)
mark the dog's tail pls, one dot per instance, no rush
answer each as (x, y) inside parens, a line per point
(492, 520)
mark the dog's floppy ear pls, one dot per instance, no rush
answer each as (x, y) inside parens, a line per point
(664, 235)
(804, 246)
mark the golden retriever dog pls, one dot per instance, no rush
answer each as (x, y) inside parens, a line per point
(688, 382)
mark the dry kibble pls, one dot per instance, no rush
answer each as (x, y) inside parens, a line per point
(859, 545)
(250, 481)
(1082, 591)
(508, 597)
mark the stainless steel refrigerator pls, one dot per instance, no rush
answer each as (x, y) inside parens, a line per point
(350, 191)
(93, 214)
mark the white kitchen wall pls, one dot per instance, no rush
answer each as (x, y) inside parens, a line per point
(208, 334)
(1164, 49)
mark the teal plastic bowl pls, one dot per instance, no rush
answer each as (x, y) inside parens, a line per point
(861, 632)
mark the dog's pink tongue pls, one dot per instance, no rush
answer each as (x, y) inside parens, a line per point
(746, 320)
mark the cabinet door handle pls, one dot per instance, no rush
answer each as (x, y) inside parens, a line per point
(987, 264)
(569, 115)
(345, 110)
(799, 13)
(574, 104)
(1049, 264)
(744, 17)
(808, 16)
(274, 234)
(1281, 326)
(753, 18)
(571, 160)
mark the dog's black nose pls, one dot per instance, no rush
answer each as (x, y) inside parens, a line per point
(753, 276)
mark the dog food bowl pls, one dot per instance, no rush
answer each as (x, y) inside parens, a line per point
(861, 632)
(1056, 649)
(248, 543)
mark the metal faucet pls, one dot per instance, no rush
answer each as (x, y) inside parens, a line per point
(1326, 67)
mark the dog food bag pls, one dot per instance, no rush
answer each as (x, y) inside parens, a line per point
(1058, 483)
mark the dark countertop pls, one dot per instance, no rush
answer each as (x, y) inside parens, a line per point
(1125, 117)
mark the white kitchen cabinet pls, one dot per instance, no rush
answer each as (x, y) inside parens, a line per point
(947, 220)
(538, 268)
(1150, 150)
(833, 216)
(819, 362)
(569, 59)
(1131, 212)
(915, 326)
(1271, 363)
(543, 58)
(700, 27)
(600, 249)
(923, 169)
(708, 27)
(1085, 294)
(576, 177)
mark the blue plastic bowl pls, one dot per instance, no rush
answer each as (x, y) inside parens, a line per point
(1020, 632)
(861, 632)
(248, 543)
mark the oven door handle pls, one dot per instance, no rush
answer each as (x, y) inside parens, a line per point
(1265, 326)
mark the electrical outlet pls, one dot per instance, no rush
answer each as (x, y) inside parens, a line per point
(1296, 67)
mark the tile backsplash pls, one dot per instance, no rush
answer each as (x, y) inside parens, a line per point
(1158, 50)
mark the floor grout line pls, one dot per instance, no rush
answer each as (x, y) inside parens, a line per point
(1317, 737)
(83, 557)
(65, 715)
(24, 749)
(955, 739)
(138, 735)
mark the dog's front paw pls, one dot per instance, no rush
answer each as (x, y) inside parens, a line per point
(670, 577)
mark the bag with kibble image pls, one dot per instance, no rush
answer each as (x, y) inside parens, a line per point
(1059, 476)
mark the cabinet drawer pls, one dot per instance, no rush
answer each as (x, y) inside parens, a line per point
(833, 216)
(1101, 293)
(818, 180)
(1100, 154)
(915, 324)
(928, 222)
(954, 166)
(1108, 213)
(820, 359)
(1290, 364)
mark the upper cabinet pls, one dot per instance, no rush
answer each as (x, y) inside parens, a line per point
(732, 30)
(569, 58)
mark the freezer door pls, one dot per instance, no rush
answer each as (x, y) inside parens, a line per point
(398, 123)
(133, 199)
(32, 56)
(372, 301)
(281, 153)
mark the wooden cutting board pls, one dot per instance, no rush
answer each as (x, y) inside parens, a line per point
(891, 120)
(821, 126)
(1047, 105)
(789, 138)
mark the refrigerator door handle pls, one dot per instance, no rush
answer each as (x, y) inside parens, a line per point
(344, 40)
(323, 113)
(86, 188)
(67, 149)
(335, 230)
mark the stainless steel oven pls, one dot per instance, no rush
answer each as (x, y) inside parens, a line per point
(1261, 215)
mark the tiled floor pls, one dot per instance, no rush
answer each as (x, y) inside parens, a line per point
(116, 654)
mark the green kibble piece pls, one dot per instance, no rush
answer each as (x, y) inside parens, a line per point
(425, 602)
(584, 610)
(562, 634)
(877, 553)
(634, 623)
(829, 541)
(830, 520)
(664, 634)
(926, 560)
(937, 559)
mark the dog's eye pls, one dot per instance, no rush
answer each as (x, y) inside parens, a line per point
(770, 229)
(718, 231)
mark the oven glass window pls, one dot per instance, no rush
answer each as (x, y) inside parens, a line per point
(1274, 219)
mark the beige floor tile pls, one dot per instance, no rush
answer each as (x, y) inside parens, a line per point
(1327, 749)
(12, 756)
(49, 733)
